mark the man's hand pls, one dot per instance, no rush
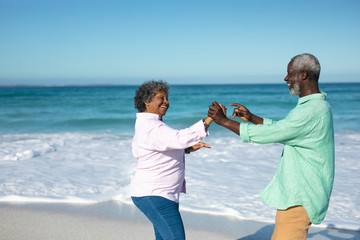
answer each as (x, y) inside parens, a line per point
(223, 108)
(241, 112)
(244, 114)
(196, 147)
(217, 112)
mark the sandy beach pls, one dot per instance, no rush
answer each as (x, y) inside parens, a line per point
(112, 220)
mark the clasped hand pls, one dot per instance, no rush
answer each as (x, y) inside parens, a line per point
(217, 112)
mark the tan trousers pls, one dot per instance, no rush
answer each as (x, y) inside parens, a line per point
(291, 224)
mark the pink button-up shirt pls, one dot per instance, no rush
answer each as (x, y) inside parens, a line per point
(160, 152)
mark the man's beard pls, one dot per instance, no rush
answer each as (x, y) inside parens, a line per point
(295, 90)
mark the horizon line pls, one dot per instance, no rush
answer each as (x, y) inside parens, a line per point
(135, 85)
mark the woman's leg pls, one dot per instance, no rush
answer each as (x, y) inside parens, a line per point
(157, 234)
(164, 215)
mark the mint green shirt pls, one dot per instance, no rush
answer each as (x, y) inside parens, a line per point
(305, 174)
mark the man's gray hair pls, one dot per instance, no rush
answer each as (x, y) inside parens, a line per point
(309, 63)
(147, 91)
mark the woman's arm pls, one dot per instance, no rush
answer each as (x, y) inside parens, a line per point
(161, 137)
(207, 122)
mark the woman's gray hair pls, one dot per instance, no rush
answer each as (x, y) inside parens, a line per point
(309, 63)
(147, 91)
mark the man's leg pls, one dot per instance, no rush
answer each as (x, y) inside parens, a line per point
(292, 223)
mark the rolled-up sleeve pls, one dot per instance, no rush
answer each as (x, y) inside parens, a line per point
(244, 129)
(244, 132)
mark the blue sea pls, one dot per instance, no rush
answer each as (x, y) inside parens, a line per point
(73, 144)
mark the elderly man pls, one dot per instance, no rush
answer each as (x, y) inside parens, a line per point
(302, 185)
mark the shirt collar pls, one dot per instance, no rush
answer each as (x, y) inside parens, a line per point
(145, 115)
(321, 95)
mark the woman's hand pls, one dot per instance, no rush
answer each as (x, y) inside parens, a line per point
(196, 147)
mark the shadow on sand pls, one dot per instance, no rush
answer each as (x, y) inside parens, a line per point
(315, 233)
(263, 233)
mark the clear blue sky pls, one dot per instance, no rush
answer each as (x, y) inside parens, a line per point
(197, 41)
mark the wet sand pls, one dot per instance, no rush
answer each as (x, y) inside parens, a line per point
(112, 220)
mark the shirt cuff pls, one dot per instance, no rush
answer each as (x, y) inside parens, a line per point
(244, 132)
(199, 128)
(267, 121)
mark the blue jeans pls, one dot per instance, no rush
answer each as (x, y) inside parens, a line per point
(164, 215)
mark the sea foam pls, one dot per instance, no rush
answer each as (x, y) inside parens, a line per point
(84, 167)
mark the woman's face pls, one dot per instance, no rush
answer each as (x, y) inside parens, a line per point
(159, 104)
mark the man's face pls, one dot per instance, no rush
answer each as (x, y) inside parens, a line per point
(292, 80)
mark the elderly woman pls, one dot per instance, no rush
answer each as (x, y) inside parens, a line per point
(160, 152)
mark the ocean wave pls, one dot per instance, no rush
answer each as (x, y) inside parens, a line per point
(96, 122)
(83, 167)
(28, 154)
